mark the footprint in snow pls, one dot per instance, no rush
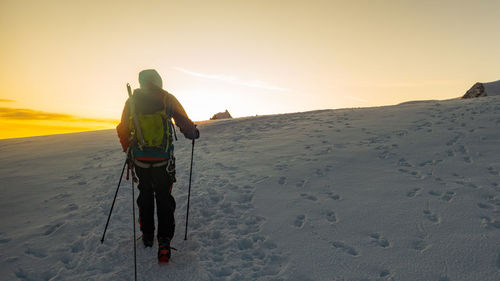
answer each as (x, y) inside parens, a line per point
(319, 172)
(430, 162)
(492, 171)
(403, 162)
(419, 245)
(468, 160)
(331, 217)
(71, 207)
(281, 167)
(414, 192)
(4, 240)
(38, 253)
(299, 221)
(448, 196)
(379, 240)
(435, 193)
(333, 196)
(485, 206)
(413, 173)
(282, 180)
(385, 273)
(345, 248)
(429, 215)
(309, 197)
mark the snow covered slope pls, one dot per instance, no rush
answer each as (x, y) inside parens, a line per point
(492, 88)
(407, 192)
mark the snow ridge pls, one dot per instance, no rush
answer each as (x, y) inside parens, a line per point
(407, 192)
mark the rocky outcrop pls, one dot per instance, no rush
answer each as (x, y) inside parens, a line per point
(221, 115)
(483, 90)
(476, 91)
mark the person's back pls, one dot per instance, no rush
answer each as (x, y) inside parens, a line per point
(156, 171)
(149, 98)
(148, 102)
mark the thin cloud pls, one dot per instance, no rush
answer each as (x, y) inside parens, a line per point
(6, 100)
(233, 80)
(30, 114)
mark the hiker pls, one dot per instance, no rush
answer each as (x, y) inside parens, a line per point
(150, 149)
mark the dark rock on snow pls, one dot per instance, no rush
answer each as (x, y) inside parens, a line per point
(483, 90)
(221, 115)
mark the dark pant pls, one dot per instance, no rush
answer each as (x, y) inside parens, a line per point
(156, 182)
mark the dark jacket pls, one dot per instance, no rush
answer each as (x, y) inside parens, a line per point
(149, 101)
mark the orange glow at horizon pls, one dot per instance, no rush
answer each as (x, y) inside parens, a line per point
(20, 129)
(19, 122)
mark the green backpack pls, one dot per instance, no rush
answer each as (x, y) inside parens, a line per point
(152, 134)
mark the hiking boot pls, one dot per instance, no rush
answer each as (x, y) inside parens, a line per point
(163, 249)
(148, 239)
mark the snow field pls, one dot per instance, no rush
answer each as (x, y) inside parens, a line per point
(407, 192)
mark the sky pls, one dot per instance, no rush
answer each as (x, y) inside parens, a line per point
(64, 64)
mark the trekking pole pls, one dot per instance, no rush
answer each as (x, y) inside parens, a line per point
(119, 182)
(133, 214)
(114, 199)
(189, 190)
